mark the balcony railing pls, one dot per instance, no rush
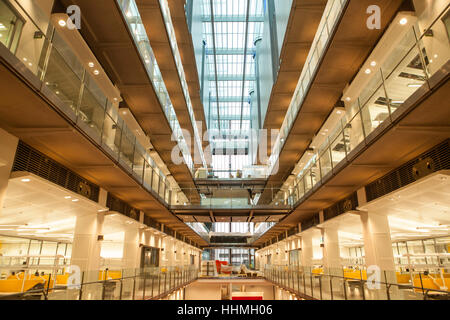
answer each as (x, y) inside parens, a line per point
(71, 86)
(137, 30)
(176, 53)
(347, 284)
(212, 197)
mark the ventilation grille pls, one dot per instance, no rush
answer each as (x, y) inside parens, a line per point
(115, 204)
(228, 240)
(169, 231)
(30, 160)
(343, 206)
(431, 161)
(292, 231)
(152, 223)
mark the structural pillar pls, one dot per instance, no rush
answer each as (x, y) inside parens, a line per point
(131, 248)
(331, 261)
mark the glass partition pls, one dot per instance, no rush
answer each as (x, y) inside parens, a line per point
(407, 69)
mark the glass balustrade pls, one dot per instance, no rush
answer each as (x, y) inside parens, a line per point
(403, 73)
(43, 51)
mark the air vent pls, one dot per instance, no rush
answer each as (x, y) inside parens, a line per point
(115, 204)
(436, 159)
(30, 160)
(348, 204)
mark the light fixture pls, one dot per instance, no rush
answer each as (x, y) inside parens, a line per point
(403, 21)
(348, 99)
(339, 112)
(368, 71)
(91, 64)
(67, 197)
(373, 63)
(75, 200)
(2, 26)
(398, 101)
(414, 85)
(62, 23)
(96, 72)
(25, 180)
(25, 59)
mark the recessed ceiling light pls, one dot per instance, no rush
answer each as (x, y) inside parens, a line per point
(75, 200)
(62, 23)
(403, 21)
(25, 180)
(91, 64)
(368, 71)
(96, 72)
(348, 99)
(25, 59)
(339, 112)
(414, 85)
(373, 63)
(67, 197)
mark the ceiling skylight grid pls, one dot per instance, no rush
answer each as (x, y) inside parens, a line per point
(231, 51)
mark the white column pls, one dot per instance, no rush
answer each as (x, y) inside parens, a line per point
(86, 247)
(131, 250)
(8, 148)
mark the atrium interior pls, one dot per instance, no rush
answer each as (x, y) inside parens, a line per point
(224, 150)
